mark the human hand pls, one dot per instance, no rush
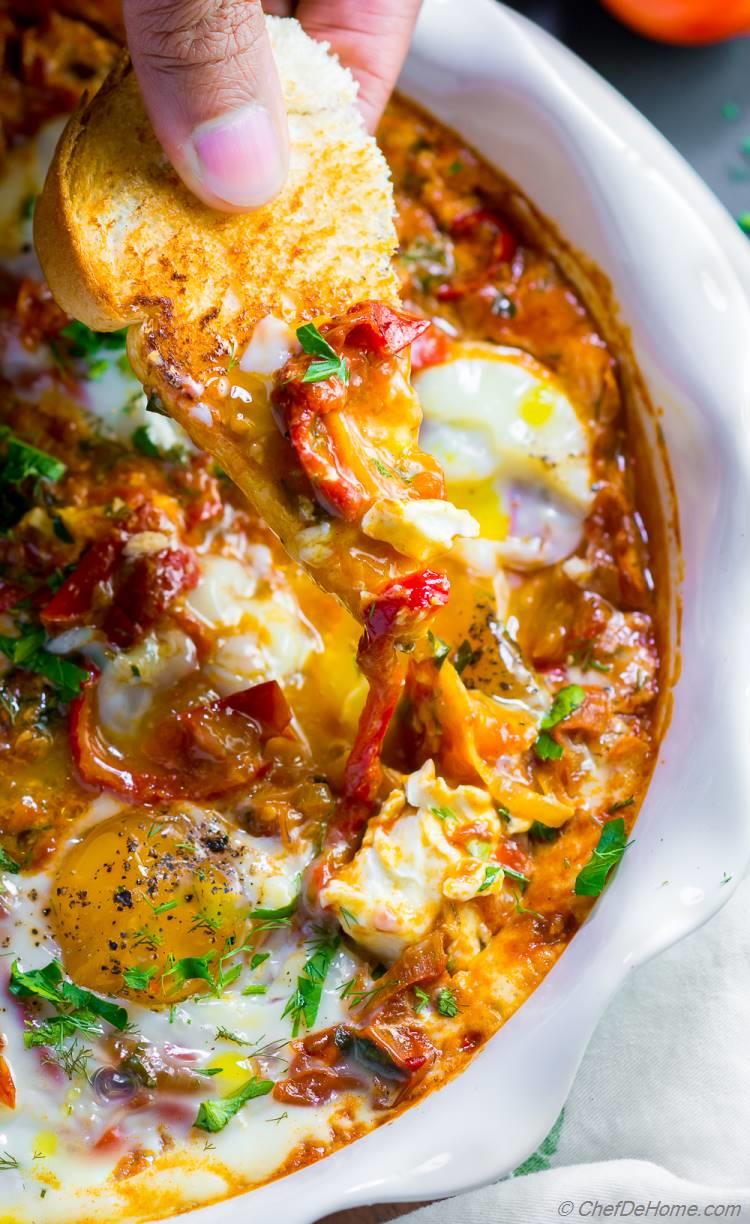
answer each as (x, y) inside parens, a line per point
(213, 94)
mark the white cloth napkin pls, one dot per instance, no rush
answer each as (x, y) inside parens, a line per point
(659, 1113)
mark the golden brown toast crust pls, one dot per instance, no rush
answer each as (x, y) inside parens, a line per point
(123, 242)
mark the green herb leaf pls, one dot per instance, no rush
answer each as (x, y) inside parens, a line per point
(518, 876)
(444, 813)
(422, 1000)
(605, 857)
(303, 1005)
(214, 1115)
(258, 959)
(256, 989)
(547, 748)
(7, 863)
(465, 655)
(138, 979)
(27, 653)
(440, 649)
(327, 361)
(188, 969)
(565, 703)
(490, 875)
(621, 803)
(539, 832)
(143, 442)
(447, 1004)
(36, 983)
(277, 915)
(22, 461)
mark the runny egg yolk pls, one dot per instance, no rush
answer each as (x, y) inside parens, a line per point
(138, 894)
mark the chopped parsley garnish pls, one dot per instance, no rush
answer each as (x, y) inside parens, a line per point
(144, 443)
(280, 915)
(27, 653)
(443, 813)
(88, 345)
(77, 1011)
(165, 907)
(60, 530)
(422, 1000)
(440, 649)
(303, 1005)
(539, 832)
(360, 998)
(7, 863)
(518, 876)
(547, 748)
(490, 875)
(214, 1115)
(255, 989)
(447, 1004)
(188, 969)
(621, 803)
(327, 363)
(465, 655)
(225, 1034)
(565, 703)
(23, 460)
(138, 979)
(609, 850)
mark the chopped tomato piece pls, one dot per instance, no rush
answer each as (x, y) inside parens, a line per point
(10, 595)
(75, 599)
(145, 590)
(132, 592)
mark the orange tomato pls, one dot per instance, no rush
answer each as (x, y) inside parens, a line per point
(684, 21)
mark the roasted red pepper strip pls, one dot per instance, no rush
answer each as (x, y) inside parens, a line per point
(202, 752)
(394, 616)
(376, 327)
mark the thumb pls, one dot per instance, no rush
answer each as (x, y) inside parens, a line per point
(212, 92)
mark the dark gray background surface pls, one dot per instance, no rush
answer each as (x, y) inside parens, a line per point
(682, 90)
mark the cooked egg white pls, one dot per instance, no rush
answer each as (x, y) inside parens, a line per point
(515, 452)
(413, 857)
(53, 1131)
(261, 631)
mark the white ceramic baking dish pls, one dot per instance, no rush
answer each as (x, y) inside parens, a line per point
(680, 270)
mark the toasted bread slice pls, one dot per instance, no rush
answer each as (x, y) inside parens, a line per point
(123, 242)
